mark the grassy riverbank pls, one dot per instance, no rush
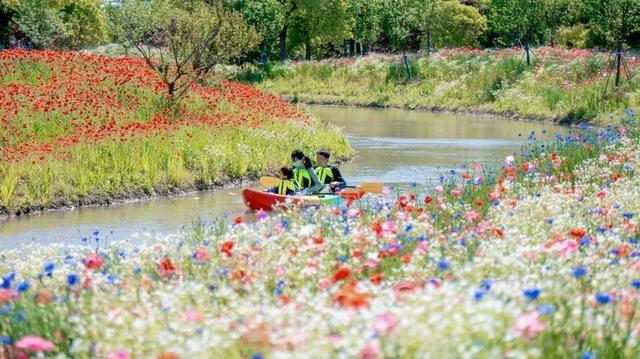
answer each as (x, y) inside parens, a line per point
(539, 258)
(564, 85)
(82, 129)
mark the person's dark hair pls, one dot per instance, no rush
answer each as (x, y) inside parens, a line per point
(297, 155)
(306, 162)
(324, 153)
(287, 171)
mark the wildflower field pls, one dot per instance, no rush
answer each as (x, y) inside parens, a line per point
(565, 85)
(82, 129)
(537, 258)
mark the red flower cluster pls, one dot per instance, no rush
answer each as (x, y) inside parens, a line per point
(51, 101)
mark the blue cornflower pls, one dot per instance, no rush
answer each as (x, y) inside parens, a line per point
(545, 309)
(549, 221)
(5, 340)
(486, 284)
(443, 265)
(477, 296)
(136, 270)
(7, 279)
(48, 268)
(257, 356)
(603, 298)
(531, 293)
(72, 279)
(627, 215)
(22, 287)
(96, 233)
(636, 284)
(587, 355)
(579, 272)
(408, 227)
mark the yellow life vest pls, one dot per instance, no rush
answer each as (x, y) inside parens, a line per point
(325, 174)
(284, 186)
(302, 178)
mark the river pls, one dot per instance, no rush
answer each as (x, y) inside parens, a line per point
(395, 147)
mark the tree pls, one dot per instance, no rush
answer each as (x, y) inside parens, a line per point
(183, 44)
(401, 17)
(456, 25)
(523, 20)
(318, 22)
(366, 17)
(615, 21)
(266, 16)
(67, 24)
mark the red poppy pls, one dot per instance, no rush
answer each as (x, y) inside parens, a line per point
(227, 248)
(340, 274)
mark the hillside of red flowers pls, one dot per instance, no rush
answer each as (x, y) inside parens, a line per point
(51, 101)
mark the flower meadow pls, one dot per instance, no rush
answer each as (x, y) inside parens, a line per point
(77, 128)
(565, 85)
(537, 258)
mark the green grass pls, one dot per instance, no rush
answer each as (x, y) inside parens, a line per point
(563, 85)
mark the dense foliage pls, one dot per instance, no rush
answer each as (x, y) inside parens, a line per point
(305, 28)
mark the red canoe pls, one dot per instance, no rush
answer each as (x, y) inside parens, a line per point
(260, 200)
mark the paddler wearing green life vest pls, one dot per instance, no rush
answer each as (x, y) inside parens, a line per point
(303, 173)
(286, 185)
(328, 174)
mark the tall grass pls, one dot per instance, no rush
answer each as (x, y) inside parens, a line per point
(194, 158)
(564, 85)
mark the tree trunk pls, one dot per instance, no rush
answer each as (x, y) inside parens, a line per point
(527, 50)
(406, 65)
(307, 50)
(365, 49)
(352, 47)
(263, 54)
(345, 48)
(283, 44)
(618, 63)
(428, 41)
(358, 49)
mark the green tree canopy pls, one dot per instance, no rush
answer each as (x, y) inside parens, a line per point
(69, 24)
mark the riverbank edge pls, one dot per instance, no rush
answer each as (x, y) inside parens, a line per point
(506, 115)
(101, 200)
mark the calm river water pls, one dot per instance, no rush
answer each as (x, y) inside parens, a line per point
(393, 146)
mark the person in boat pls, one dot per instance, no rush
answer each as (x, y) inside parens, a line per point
(328, 174)
(303, 173)
(286, 185)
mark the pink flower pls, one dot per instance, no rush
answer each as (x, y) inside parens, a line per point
(192, 315)
(119, 354)
(566, 248)
(385, 323)
(324, 283)
(471, 215)
(7, 295)
(528, 325)
(34, 343)
(353, 212)
(386, 190)
(371, 264)
(456, 192)
(439, 189)
(201, 255)
(93, 262)
(370, 351)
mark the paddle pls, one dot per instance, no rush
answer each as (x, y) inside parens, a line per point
(372, 187)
